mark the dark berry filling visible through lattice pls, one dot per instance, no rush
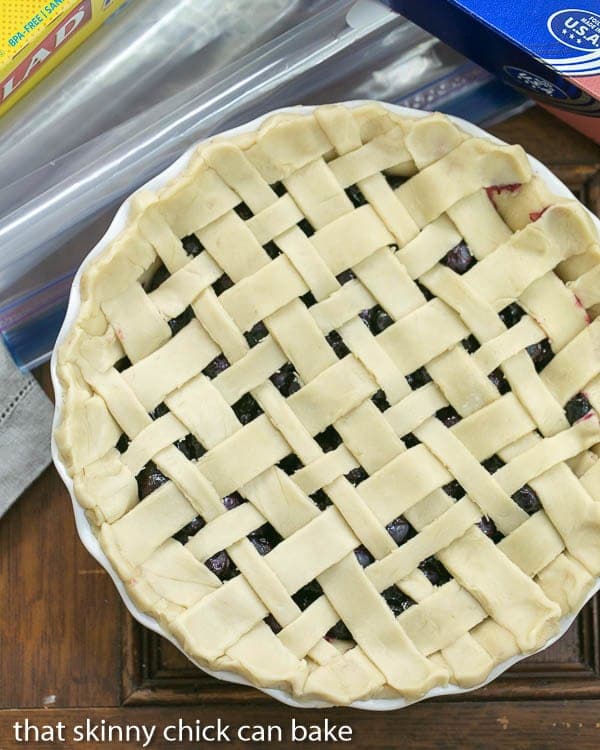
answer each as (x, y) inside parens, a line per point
(493, 463)
(246, 409)
(122, 364)
(410, 440)
(233, 501)
(286, 380)
(541, 354)
(290, 464)
(380, 400)
(192, 528)
(279, 189)
(527, 499)
(577, 408)
(161, 274)
(448, 416)
(511, 314)
(454, 489)
(256, 334)
(434, 571)
(356, 196)
(264, 539)
(222, 284)
(192, 245)
(336, 342)
(376, 319)
(191, 447)
(321, 499)
(243, 211)
(497, 378)
(159, 411)
(418, 378)
(329, 439)
(470, 344)
(396, 600)
(489, 529)
(216, 366)
(149, 479)
(272, 250)
(122, 443)
(181, 321)
(357, 475)
(395, 180)
(306, 227)
(400, 530)
(222, 566)
(459, 259)
(425, 291)
(345, 276)
(364, 557)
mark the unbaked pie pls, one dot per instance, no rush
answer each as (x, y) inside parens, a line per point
(331, 402)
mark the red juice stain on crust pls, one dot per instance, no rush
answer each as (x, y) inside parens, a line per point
(579, 303)
(497, 189)
(535, 215)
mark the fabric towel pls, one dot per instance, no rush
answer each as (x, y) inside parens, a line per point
(25, 428)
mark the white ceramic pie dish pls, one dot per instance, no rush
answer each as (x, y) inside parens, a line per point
(84, 528)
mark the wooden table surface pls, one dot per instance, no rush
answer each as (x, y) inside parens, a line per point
(69, 652)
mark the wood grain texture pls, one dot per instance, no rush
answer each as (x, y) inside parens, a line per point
(69, 650)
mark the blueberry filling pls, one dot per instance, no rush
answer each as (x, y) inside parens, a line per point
(418, 378)
(410, 440)
(122, 443)
(243, 211)
(493, 463)
(497, 378)
(357, 475)
(321, 499)
(290, 464)
(577, 408)
(329, 439)
(376, 319)
(278, 188)
(396, 600)
(191, 448)
(192, 245)
(395, 180)
(308, 299)
(159, 411)
(222, 284)
(511, 314)
(339, 632)
(222, 566)
(345, 276)
(264, 539)
(246, 409)
(454, 490)
(459, 259)
(286, 380)
(400, 530)
(190, 530)
(489, 529)
(307, 595)
(161, 274)
(470, 344)
(380, 400)
(448, 416)
(123, 364)
(336, 342)
(149, 479)
(424, 291)
(527, 499)
(216, 366)
(256, 334)
(355, 194)
(176, 324)
(233, 501)
(434, 571)
(306, 227)
(363, 556)
(272, 623)
(272, 250)
(541, 354)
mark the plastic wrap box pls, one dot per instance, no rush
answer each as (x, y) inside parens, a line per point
(35, 35)
(544, 48)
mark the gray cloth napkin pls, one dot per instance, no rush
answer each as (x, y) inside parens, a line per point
(25, 427)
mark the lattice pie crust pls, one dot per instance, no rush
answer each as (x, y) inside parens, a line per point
(331, 401)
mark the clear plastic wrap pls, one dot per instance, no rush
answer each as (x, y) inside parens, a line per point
(314, 52)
